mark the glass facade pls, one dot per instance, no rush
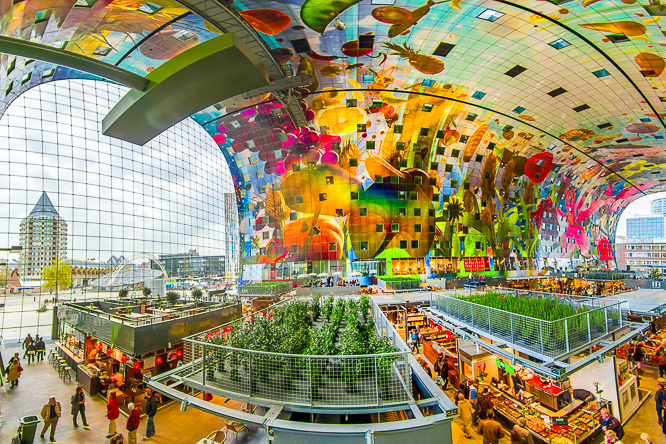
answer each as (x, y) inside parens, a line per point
(113, 199)
(191, 265)
(646, 228)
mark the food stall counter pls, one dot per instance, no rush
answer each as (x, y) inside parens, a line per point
(582, 425)
(72, 360)
(88, 380)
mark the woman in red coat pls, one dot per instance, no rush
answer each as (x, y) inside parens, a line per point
(112, 413)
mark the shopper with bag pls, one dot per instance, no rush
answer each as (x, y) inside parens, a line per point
(13, 371)
(31, 352)
(41, 348)
(78, 402)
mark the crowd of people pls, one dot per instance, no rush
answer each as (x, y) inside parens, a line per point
(52, 411)
(331, 281)
(476, 406)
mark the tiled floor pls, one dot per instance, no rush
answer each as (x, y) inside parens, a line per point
(39, 381)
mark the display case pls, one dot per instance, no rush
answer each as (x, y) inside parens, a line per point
(578, 425)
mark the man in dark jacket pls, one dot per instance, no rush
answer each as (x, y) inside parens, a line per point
(658, 397)
(41, 348)
(31, 351)
(485, 403)
(608, 422)
(151, 409)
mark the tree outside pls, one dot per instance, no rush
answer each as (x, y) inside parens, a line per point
(122, 294)
(172, 297)
(197, 294)
(146, 292)
(57, 277)
(655, 273)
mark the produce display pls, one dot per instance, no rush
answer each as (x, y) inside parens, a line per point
(581, 424)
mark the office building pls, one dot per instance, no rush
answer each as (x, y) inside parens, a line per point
(646, 228)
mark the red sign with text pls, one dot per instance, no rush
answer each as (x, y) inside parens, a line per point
(476, 263)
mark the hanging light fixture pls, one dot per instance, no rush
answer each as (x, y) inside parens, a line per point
(123, 359)
(158, 360)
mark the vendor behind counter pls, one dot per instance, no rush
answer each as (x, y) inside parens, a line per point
(572, 394)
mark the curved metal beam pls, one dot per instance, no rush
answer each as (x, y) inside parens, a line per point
(143, 40)
(592, 45)
(58, 56)
(228, 20)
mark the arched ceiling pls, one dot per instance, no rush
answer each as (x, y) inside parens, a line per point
(571, 91)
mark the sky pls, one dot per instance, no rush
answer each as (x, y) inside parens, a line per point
(165, 197)
(638, 207)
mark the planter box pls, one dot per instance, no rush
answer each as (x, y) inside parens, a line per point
(264, 290)
(411, 284)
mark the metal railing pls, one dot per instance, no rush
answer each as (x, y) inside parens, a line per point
(548, 338)
(306, 380)
(72, 310)
(402, 285)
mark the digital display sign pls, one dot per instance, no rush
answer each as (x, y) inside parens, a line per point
(477, 263)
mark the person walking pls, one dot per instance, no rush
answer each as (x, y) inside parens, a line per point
(444, 373)
(608, 422)
(79, 406)
(638, 356)
(50, 414)
(415, 341)
(13, 371)
(151, 410)
(490, 429)
(485, 403)
(26, 341)
(660, 399)
(41, 348)
(132, 423)
(112, 413)
(465, 411)
(521, 431)
(661, 361)
(31, 351)
(474, 400)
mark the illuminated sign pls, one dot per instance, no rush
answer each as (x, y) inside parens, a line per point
(476, 263)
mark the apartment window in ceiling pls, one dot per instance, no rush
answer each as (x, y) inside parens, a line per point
(556, 92)
(513, 72)
(478, 95)
(518, 109)
(442, 50)
(490, 15)
(559, 44)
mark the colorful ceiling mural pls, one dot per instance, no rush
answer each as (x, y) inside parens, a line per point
(437, 129)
